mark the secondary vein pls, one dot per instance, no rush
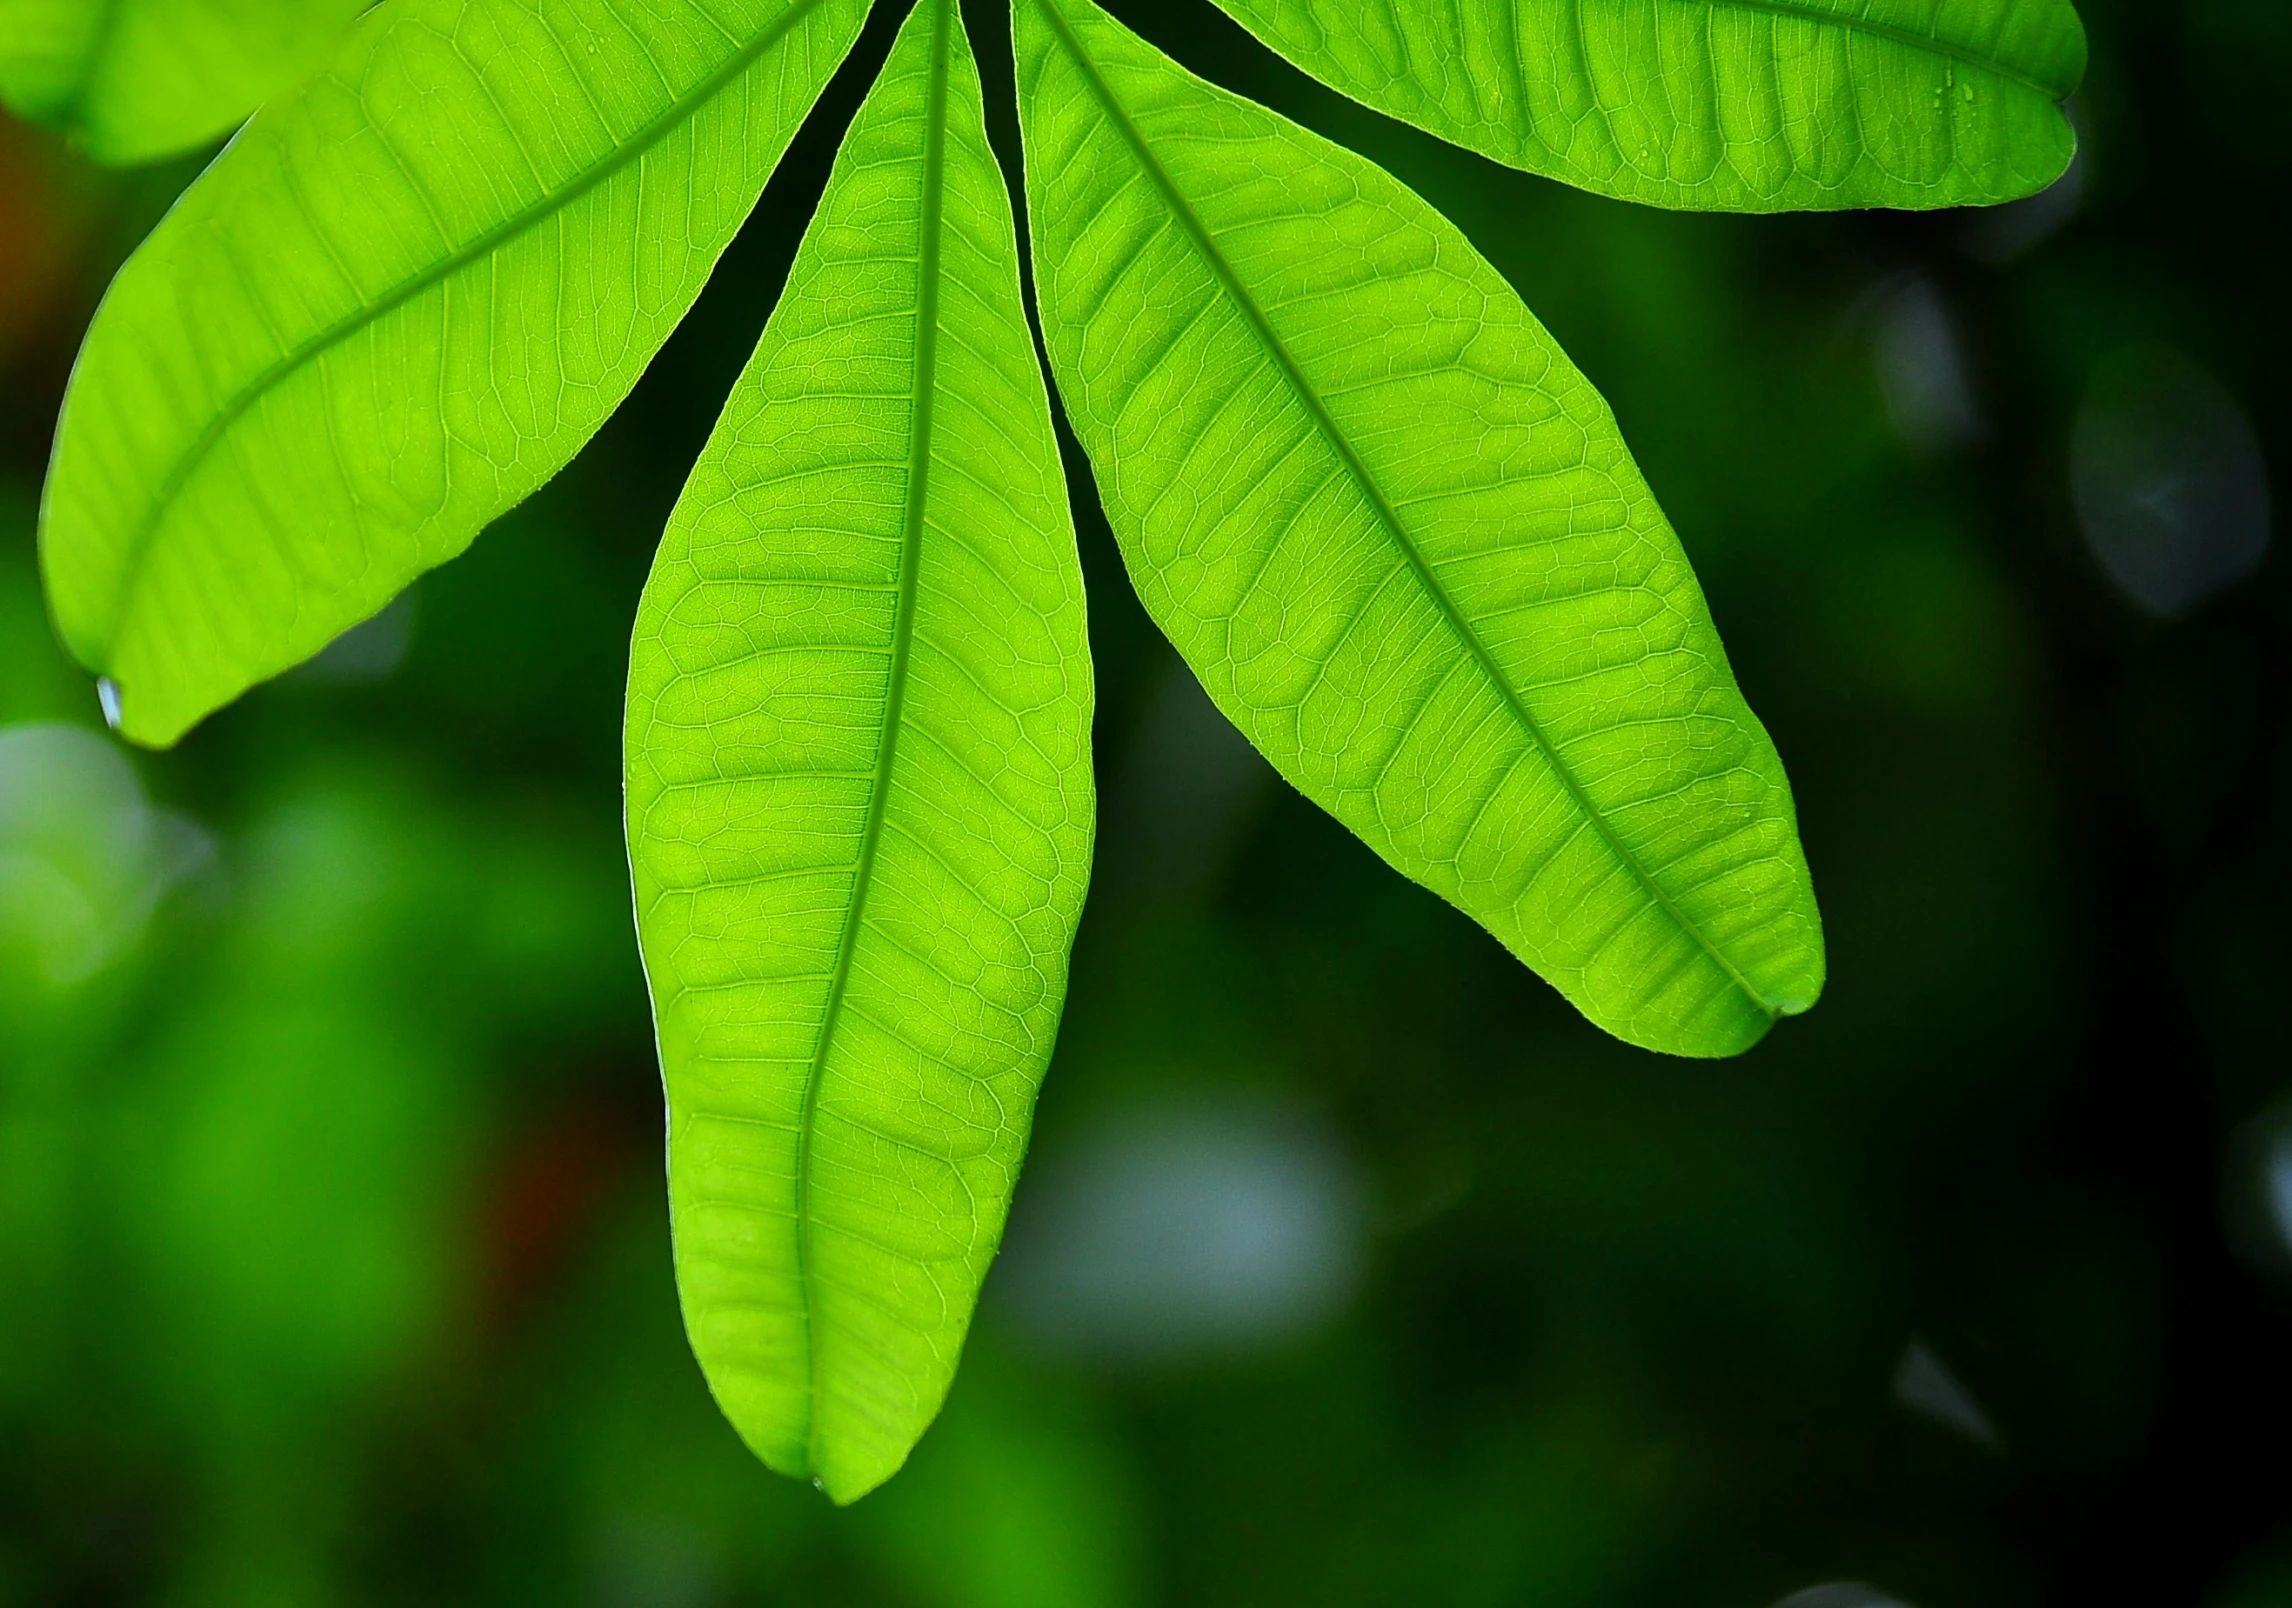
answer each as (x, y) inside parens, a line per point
(309, 350)
(1906, 37)
(1309, 398)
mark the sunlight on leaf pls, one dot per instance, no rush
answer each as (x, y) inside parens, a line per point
(1401, 542)
(397, 304)
(1730, 105)
(859, 793)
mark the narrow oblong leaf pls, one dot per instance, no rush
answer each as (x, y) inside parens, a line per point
(138, 80)
(1727, 105)
(859, 793)
(401, 300)
(1401, 542)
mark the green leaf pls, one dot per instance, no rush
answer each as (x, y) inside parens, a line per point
(398, 303)
(137, 80)
(1400, 541)
(1730, 105)
(859, 794)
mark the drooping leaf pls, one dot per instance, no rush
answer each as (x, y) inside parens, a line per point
(137, 80)
(398, 303)
(859, 793)
(1731, 105)
(1400, 541)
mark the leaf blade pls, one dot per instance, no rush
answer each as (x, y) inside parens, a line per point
(399, 303)
(139, 80)
(859, 795)
(1733, 105)
(1272, 352)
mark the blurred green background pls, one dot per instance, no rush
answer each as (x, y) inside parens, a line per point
(1350, 1266)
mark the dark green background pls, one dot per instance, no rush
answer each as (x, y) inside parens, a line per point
(333, 1258)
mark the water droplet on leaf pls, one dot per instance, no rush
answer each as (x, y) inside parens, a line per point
(107, 695)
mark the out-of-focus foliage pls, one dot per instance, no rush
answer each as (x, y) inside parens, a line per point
(86, 857)
(1768, 107)
(859, 793)
(140, 80)
(1603, 1329)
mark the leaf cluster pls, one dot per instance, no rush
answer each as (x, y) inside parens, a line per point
(1394, 532)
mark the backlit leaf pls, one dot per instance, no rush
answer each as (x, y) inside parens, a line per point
(1401, 542)
(1734, 105)
(859, 794)
(398, 303)
(136, 80)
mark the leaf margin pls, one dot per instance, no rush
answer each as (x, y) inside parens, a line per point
(1503, 141)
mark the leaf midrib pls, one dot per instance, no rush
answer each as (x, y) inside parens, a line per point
(679, 111)
(903, 635)
(1255, 317)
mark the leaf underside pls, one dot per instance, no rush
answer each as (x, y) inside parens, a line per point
(138, 80)
(1731, 105)
(859, 793)
(1400, 541)
(400, 301)
(1390, 527)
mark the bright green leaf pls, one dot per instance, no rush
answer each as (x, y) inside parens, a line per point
(1733, 105)
(398, 303)
(137, 80)
(859, 793)
(1400, 541)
